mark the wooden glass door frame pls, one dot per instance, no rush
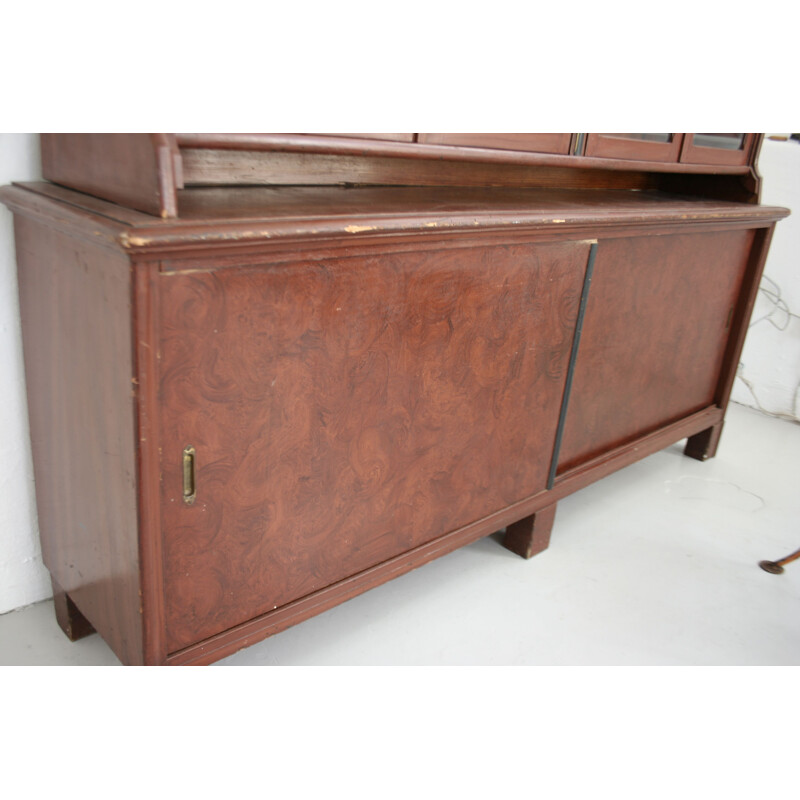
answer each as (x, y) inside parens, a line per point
(694, 154)
(385, 137)
(556, 143)
(610, 145)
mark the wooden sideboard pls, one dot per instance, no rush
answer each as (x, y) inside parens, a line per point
(267, 372)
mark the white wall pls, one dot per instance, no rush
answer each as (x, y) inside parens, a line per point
(23, 578)
(769, 373)
(771, 359)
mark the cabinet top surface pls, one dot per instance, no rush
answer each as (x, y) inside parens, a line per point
(209, 215)
(296, 202)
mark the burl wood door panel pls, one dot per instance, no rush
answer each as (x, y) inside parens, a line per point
(344, 411)
(654, 336)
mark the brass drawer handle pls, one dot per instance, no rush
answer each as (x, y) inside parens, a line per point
(189, 489)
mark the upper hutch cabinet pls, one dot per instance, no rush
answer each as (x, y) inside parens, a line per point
(530, 142)
(635, 146)
(730, 149)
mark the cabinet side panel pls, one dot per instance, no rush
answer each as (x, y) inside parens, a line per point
(137, 170)
(76, 325)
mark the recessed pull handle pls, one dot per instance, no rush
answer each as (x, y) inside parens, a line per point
(189, 488)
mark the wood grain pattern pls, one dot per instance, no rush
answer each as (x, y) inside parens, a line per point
(630, 452)
(76, 324)
(273, 622)
(370, 377)
(211, 167)
(346, 411)
(223, 644)
(655, 334)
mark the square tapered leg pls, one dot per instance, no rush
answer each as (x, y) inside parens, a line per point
(69, 618)
(703, 445)
(531, 535)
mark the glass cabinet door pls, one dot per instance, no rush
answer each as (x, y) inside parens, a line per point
(717, 148)
(635, 146)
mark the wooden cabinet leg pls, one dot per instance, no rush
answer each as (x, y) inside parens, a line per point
(703, 445)
(531, 535)
(70, 620)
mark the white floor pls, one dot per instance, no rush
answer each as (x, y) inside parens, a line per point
(657, 564)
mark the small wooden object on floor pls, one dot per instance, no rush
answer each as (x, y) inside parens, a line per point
(776, 567)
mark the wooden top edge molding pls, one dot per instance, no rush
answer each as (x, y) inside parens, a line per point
(331, 145)
(244, 216)
(236, 217)
(72, 217)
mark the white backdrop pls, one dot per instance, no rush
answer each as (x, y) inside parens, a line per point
(23, 578)
(770, 366)
(770, 362)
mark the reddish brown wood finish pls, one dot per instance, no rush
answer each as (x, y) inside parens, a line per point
(140, 170)
(144, 171)
(703, 445)
(76, 326)
(386, 137)
(274, 622)
(654, 337)
(616, 145)
(345, 411)
(267, 143)
(370, 379)
(225, 167)
(147, 355)
(692, 153)
(529, 142)
(531, 535)
(68, 617)
(239, 219)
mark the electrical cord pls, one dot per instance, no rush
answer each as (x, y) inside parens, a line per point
(772, 292)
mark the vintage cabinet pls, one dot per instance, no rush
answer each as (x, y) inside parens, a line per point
(250, 402)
